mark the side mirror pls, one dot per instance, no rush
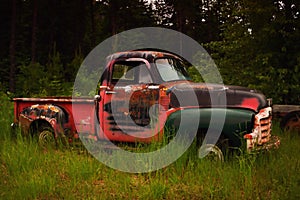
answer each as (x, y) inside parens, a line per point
(97, 98)
(270, 102)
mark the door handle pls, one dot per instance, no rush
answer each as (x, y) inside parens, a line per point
(110, 92)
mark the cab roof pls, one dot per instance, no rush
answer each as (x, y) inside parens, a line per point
(148, 54)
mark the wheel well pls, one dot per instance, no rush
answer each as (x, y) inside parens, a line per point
(64, 114)
(38, 125)
(203, 132)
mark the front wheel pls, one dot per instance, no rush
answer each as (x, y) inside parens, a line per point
(211, 152)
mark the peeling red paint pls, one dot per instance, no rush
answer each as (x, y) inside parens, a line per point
(251, 103)
(156, 96)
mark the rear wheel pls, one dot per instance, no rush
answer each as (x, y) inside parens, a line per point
(43, 133)
(46, 137)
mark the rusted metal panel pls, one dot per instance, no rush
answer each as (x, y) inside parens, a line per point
(50, 113)
(261, 136)
(55, 100)
(282, 110)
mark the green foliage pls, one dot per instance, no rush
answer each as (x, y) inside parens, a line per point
(30, 172)
(258, 48)
(54, 72)
(6, 113)
(4, 74)
(31, 79)
(73, 66)
(87, 80)
(35, 79)
(253, 42)
(204, 69)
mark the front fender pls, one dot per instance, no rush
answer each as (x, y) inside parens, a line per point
(237, 121)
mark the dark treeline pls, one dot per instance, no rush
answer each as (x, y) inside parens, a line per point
(254, 43)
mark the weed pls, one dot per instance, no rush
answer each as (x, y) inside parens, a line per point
(30, 172)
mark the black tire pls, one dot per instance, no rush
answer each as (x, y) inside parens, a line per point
(291, 122)
(43, 134)
(213, 152)
(46, 137)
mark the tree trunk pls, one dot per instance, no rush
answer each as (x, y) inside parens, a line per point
(93, 36)
(12, 47)
(34, 30)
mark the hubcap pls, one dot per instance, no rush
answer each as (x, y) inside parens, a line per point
(46, 138)
(211, 152)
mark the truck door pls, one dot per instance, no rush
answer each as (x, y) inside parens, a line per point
(128, 100)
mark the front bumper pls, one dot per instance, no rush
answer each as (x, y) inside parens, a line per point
(273, 143)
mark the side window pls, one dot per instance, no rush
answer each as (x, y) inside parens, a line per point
(130, 72)
(123, 72)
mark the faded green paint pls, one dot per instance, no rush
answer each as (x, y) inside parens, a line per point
(237, 121)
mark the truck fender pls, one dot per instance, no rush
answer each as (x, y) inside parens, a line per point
(45, 115)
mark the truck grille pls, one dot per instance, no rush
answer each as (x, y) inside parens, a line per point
(265, 126)
(261, 133)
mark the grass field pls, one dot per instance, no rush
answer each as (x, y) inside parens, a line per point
(30, 172)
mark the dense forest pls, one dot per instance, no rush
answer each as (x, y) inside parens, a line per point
(254, 43)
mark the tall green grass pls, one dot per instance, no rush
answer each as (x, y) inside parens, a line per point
(30, 172)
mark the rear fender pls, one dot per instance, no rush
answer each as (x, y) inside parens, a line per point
(36, 115)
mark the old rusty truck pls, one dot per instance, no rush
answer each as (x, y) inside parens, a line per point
(132, 83)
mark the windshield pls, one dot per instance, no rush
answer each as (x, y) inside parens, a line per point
(171, 69)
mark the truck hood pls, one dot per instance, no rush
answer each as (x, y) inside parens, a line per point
(182, 94)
